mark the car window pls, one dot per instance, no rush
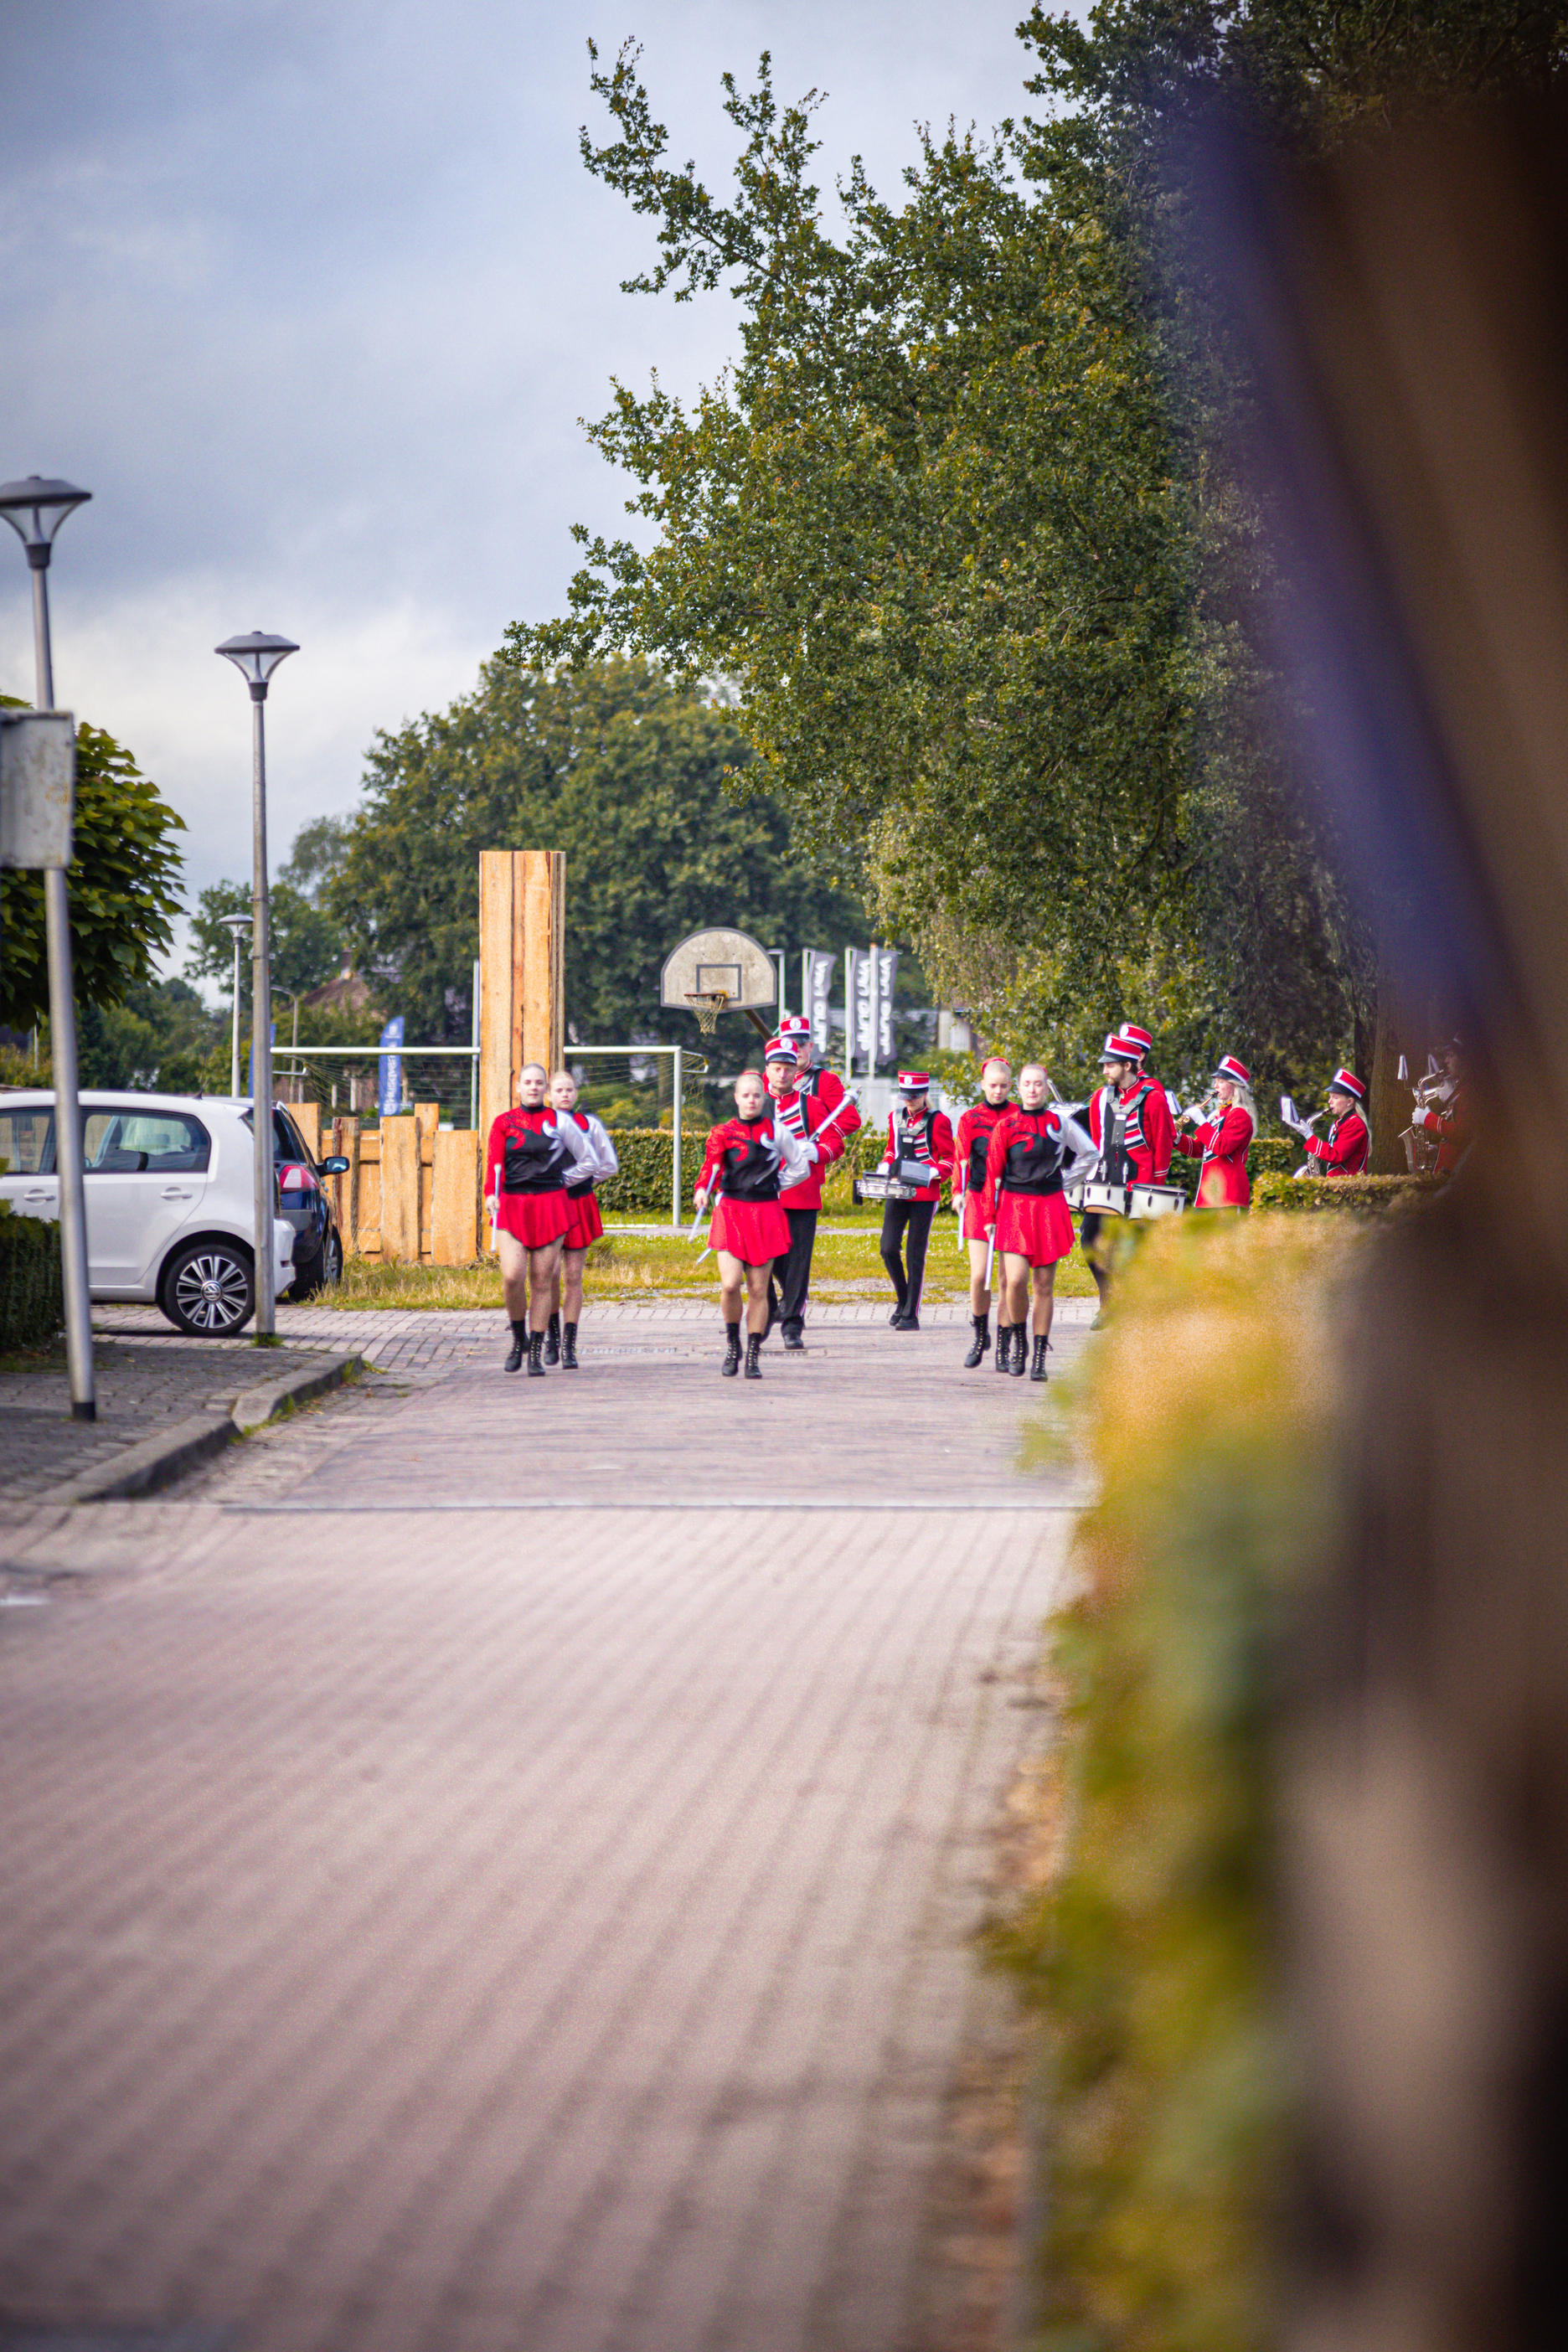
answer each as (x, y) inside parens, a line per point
(27, 1140)
(287, 1140)
(151, 1142)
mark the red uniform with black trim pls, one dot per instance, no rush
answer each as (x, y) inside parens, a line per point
(972, 1141)
(827, 1088)
(1453, 1130)
(926, 1136)
(1149, 1136)
(533, 1218)
(747, 1220)
(1222, 1145)
(807, 1115)
(1346, 1147)
(1022, 1196)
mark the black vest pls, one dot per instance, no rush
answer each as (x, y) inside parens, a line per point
(751, 1169)
(1035, 1161)
(534, 1164)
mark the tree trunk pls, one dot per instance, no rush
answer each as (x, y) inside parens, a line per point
(1388, 1102)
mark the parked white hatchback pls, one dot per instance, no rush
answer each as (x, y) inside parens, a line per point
(170, 1215)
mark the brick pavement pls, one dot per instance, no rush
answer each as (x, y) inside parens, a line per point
(476, 1929)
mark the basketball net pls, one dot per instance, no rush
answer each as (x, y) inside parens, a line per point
(708, 1003)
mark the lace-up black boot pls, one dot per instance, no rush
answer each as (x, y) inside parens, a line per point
(731, 1363)
(553, 1341)
(568, 1348)
(1004, 1347)
(754, 1356)
(1018, 1362)
(980, 1342)
(535, 1354)
(1038, 1369)
(519, 1346)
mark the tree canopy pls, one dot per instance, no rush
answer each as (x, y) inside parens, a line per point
(627, 773)
(122, 885)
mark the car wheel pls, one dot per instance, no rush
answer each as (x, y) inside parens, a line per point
(208, 1289)
(324, 1272)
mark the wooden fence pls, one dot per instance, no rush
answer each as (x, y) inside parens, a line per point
(411, 1192)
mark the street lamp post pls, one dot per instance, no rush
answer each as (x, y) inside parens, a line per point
(233, 925)
(256, 658)
(35, 508)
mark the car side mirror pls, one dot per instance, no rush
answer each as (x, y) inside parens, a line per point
(334, 1167)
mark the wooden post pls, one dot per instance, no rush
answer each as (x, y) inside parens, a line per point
(399, 1192)
(455, 1196)
(522, 930)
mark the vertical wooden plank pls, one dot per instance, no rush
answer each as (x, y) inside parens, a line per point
(370, 1194)
(455, 1197)
(307, 1118)
(427, 1119)
(345, 1188)
(399, 1192)
(540, 955)
(496, 926)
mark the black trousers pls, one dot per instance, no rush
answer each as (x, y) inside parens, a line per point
(913, 1216)
(791, 1275)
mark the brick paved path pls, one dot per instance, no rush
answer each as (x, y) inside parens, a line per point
(489, 1929)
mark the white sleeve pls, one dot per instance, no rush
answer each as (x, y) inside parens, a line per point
(573, 1137)
(599, 1137)
(795, 1162)
(1078, 1140)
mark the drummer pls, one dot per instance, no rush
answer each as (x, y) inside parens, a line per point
(1130, 1120)
(1221, 1140)
(920, 1155)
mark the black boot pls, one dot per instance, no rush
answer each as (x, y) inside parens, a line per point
(568, 1348)
(731, 1363)
(553, 1341)
(908, 1320)
(754, 1356)
(794, 1336)
(980, 1342)
(1004, 1347)
(1038, 1369)
(1018, 1362)
(535, 1351)
(519, 1346)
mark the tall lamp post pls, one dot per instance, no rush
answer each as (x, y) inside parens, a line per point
(256, 658)
(233, 925)
(35, 508)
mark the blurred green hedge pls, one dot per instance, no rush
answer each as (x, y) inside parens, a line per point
(1165, 2131)
(1362, 1196)
(32, 1303)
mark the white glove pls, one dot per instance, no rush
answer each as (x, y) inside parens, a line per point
(814, 1152)
(1422, 1118)
(1192, 1110)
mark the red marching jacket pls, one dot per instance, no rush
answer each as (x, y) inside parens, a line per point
(1032, 1144)
(508, 1127)
(927, 1136)
(1222, 1145)
(975, 1129)
(807, 1116)
(826, 1088)
(1453, 1130)
(1149, 1137)
(1346, 1147)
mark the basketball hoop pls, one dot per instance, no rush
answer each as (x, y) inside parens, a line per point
(708, 1003)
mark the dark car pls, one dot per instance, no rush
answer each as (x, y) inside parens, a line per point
(318, 1246)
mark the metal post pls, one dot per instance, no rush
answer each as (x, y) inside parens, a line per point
(777, 956)
(474, 1062)
(676, 1203)
(262, 1024)
(233, 1071)
(62, 1044)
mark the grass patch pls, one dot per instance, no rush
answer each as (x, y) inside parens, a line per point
(631, 1267)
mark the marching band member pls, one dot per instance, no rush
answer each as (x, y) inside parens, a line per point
(1450, 1123)
(973, 1142)
(919, 1139)
(807, 1117)
(813, 1078)
(1222, 1143)
(746, 1159)
(1130, 1120)
(529, 1151)
(600, 1162)
(1347, 1147)
(1022, 1204)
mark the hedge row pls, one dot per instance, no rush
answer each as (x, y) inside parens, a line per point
(32, 1303)
(1362, 1196)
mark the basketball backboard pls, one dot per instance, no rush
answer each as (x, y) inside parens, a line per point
(719, 959)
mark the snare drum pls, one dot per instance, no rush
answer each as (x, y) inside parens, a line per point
(1101, 1199)
(1156, 1201)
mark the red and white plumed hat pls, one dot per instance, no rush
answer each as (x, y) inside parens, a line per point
(1139, 1037)
(1227, 1066)
(794, 1025)
(914, 1082)
(1121, 1045)
(1345, 1082)
(779, 1049)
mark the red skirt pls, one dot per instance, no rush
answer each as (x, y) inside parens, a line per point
(973, 1217)
(754, 1231)
(1034, 1225)
(586, 1223)
(535, 1219)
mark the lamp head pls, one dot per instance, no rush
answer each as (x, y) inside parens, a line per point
(256, 658)
(235, 924)
(35, 508)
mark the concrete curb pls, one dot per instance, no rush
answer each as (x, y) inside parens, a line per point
(158, 1460)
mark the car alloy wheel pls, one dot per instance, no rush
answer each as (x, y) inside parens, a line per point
(209, 1292)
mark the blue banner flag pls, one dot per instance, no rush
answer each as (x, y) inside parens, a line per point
(391, 1098)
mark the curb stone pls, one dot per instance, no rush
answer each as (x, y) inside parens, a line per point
(141, 1469)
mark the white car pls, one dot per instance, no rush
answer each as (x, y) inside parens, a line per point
(169, 1185)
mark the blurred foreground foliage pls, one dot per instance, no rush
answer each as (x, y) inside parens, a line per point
(1211, 1413)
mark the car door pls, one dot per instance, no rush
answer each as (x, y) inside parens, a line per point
(144, 1171)
(27, 1180)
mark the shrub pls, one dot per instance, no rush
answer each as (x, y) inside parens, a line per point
(645, 1154)
(32, 1304)
(1359, 1196)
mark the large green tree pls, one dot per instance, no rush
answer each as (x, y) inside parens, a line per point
(123, 884)
(634, 778)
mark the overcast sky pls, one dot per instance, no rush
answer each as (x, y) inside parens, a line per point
(311, 295)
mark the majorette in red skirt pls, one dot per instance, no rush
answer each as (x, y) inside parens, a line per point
(755, 1232)
(1034, 1225)
(586, 1225)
